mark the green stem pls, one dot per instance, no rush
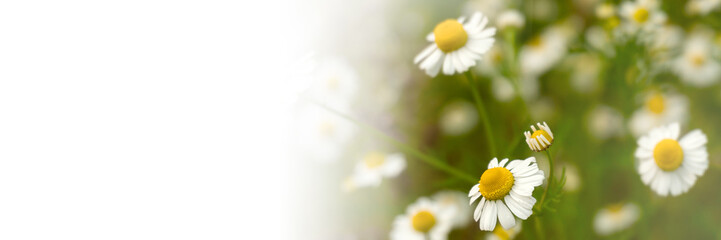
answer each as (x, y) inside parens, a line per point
(539, 228)
(482, 113)
(438, 164)
(550, 179)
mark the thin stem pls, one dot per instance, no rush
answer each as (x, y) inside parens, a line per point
(482, 113)
(550, 179)
(434, 162)
(539, 228)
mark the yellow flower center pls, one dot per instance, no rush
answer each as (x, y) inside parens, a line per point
(374, 159)
(540, 132)
(612, 23)
(668, 154)
(332, 83)
(423, 221)
(697, 59)
(502, 233)
(640, 15)
(536, 42)
(450, 35)
(615, 208)
(495, 183)
(656, 104)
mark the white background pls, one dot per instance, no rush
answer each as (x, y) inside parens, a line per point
(144, 119)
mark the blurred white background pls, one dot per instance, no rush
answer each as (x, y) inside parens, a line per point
(145, 119)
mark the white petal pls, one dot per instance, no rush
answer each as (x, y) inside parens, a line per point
(474, 190)
(493, 163)
(505, 216)
(425, 53)
(489, 216)
(516, 208)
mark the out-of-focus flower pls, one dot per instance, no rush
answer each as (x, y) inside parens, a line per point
(541, 10)
(542, 52)
(696, 66)
(585, 70)
(424, 219)
(643, 15)
(335, 83)
(505, 234)
(506, 192)
(702, 7)
(600, 40)
(668, 165)
(455, 202)
(659, 109)
(573, 179)
(502, 89)
(456, 46)
(510, 19)
(458, 117)
(614, 218)
(540, 139)
(605, 122)
(605, 10)
(493, 62)
(490, 8)
(322, 135)
(375, 166)
(666, 41)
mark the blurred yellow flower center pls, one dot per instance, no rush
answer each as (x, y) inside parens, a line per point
(423, 221)
(332, 83)
(540, 132)
(450, 35)
(656, 104)
(640, 15)
(612, 23)
(327, 129)
(502, 233)
(536, 42)
(495, 183)
(668, 154)
(697, 59)
(615, 208)
(374, 160)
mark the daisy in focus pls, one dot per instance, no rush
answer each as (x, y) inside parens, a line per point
(540, 139)
(375, 166)
(504, 234)
(424, 219)
(670, 165)
(456, 45)
(455, 203)
(696, 66)
(659, 109)
(614, 218)
(506, 192)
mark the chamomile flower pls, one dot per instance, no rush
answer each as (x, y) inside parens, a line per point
(375, 166)
(510, 19)
(584, 71)
(540, 139)
(424, 219)
(659, 109)
(506, 192)
(335, 83)
(502, 89)
(702, 7)
(458, 117)
(504, 234)
(669, 165)
(614, 218)
(455, 202)
(605, 10)
(605, 122)
(322, 135)
(456, 45)
(642, 15)
(542, 52)
(696, 66)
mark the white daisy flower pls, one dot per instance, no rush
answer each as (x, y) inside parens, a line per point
(425, 219)
(321, 135)
(600, 40)
(455, 202)
(670, 165)
(493, 62)
(457, 45)
(502, 89)
(510, 19)
(605, 10)
(542, 52)
(614, 218)
(586, 68)
(605, 122)
(458, 117)
(504, 234)
(335, 83)
(642, 15)
(696, 66)
(506, 191)
(540, 139)
(659, 109)
(702, 7)
(375, 166)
